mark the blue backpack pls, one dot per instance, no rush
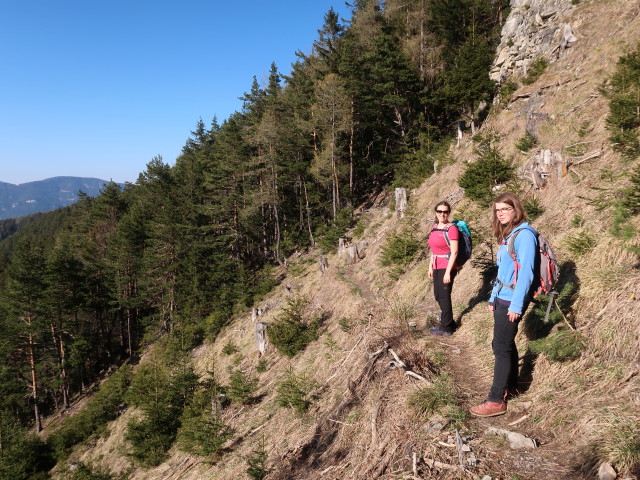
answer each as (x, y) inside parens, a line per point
(465, 244)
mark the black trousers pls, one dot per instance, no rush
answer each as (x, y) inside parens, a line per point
(505, 352)
(442, 292)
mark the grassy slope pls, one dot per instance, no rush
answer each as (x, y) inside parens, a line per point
(360, 423)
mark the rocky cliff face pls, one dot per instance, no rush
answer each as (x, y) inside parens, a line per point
(533, 29)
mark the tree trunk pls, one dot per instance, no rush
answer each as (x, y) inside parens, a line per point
(34, 379)
(306, 199)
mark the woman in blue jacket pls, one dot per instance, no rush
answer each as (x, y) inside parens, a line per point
(509, 298)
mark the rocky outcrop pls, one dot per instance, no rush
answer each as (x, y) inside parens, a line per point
(533, 29)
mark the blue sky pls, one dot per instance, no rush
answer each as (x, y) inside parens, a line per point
(94, 88)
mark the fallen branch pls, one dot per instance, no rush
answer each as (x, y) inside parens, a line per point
(524, 417)
(341, 423)
(400, 362)
(436, 464)
(590, 156)
(378, 352)
(565, 318)
(415, 375)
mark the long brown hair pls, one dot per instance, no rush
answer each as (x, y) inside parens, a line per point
(501, 231)
(441, 204)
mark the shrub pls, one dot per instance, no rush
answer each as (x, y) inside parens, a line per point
(161, 393)
(23, 456)
(293, 392)
(291, 331)
(242, 386)
(103, 408)
(327, 235)
(563, 345)
(580, 243)
(623, 92)
(533, 208)
(527, 142)
(202, 432)
(86, 472)
(400, 249)
(345, 324)
(630, 200)
(230, 348)
(257, 468)
(262, 366)
(536, 69)
(480, 177)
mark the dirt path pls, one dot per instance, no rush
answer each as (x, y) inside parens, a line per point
(551, 460)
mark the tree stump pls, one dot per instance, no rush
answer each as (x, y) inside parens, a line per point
(401, 201)
(342, 245)
(324, 264)
(361, 247)
(261, 337)
(351, 255)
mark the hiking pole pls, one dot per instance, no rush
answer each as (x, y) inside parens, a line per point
(551, 295)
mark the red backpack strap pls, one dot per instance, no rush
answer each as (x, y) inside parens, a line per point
(511, 249)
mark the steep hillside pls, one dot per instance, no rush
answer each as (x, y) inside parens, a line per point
(368, 417)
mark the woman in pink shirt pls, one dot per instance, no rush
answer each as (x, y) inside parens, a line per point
(443, 242)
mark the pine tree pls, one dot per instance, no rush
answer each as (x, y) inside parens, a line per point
(26, 289)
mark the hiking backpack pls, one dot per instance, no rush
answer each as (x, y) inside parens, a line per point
(546, 267)
(465, 245)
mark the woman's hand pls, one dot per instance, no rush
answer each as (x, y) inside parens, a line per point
(447, 277)
(430, 273)
(490, 307)
(513, 316)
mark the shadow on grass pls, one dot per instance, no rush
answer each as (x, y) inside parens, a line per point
(535, 326)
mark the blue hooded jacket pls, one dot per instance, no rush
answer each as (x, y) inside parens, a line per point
(526, 247)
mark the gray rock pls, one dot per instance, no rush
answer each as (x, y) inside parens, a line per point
(516, 440)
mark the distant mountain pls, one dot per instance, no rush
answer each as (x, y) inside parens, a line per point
(43, 195)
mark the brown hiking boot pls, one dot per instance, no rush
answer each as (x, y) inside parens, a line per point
(489, 409)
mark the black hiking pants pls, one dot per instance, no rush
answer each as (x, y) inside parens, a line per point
(442, 292)
(505, 352)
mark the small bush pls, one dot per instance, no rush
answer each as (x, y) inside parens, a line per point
(400, 249)
(630, 200)
(293, 392)
(230, 348)
(327, 235)
(534, 208)
(103, 408)
(623, 92)
(345, 324)
(242, 386)
(577, 220)
(535, 70)
(480, 177)
(86, 472)
(561, 346)
(580, 243)
(23, 456)
(291, 331)
(262, 366)
(506, 90)
(527, 142)
(257, 468)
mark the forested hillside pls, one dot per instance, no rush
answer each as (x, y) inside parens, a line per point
(126, 345)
